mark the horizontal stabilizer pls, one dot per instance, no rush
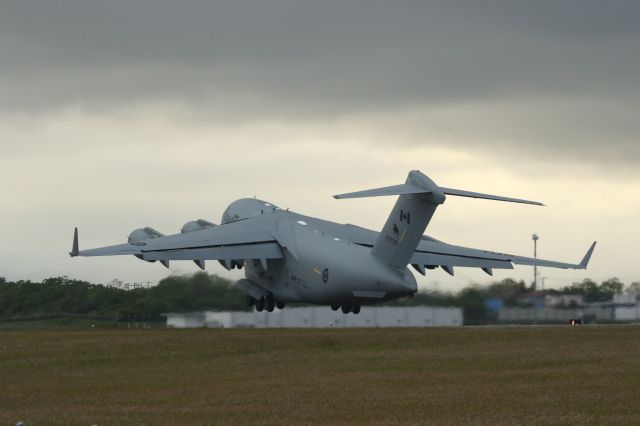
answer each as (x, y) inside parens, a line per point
(460, 193)
(403, 189)
(409, 188)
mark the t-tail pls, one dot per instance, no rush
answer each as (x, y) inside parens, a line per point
(419, 197)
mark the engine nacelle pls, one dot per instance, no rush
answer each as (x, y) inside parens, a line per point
(196, 225)
(138, 236)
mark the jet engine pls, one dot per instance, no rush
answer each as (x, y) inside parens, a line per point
(138, 237)
(196, 225)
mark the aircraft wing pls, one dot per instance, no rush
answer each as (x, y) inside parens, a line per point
(242, 240)
(432, 253)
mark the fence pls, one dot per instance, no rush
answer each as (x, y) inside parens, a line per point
(118, 319)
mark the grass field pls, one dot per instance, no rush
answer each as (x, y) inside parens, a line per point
(530, 375)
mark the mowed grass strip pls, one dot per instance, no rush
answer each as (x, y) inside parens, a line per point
(528, 375)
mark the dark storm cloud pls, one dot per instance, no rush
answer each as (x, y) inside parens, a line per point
(332, 58)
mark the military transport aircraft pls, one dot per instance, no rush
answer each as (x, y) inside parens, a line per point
(291, 258)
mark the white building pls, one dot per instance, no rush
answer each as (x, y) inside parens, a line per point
(322, 317)
(189, 320)
(625, 298)
(627, 313)
(545, 314)
(563, 300)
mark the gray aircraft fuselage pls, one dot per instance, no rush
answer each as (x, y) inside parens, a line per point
(327, 269)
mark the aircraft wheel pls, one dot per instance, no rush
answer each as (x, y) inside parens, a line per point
(335, 307)
(280, 305)
(270, 304)
(260, 304)
(356, 309)
(251, 301)
(346, 309)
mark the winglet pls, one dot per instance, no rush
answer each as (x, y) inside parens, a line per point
(75, 250)
(587, 257)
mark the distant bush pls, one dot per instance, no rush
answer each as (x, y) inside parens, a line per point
(184, 293)
(593, 292)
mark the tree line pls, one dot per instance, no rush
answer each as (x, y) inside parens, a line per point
(202, 291)
(176, 293)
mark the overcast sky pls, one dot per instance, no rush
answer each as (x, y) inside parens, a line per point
(121, 114)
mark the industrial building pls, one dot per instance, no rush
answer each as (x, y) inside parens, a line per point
(561, 308)
(321, 317)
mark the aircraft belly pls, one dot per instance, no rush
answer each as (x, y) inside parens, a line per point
(273, 279)
(330, 270)
(321, 268)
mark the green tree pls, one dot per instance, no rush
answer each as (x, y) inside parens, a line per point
(610, 287)
(472, 301)
(182, 293)
(593, 292)
(634, 287)
(507, 289)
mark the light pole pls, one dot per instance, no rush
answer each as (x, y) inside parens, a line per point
(535, 265)
(535, 276)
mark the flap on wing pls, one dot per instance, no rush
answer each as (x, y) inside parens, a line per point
(116, 250)
(242, 251)
(452, 260)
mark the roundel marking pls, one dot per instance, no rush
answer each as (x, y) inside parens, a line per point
(325, 275)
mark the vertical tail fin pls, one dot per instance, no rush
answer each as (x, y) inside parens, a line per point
(418, 200)
(407, 222)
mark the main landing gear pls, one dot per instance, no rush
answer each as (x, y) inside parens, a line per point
(268, 303)
(346, 308)
(265, 302)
